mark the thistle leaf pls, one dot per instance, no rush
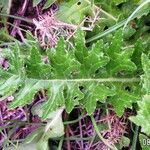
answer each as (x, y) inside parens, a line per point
(69, 76)
(75, 11)
(96, 92)
(120, 60)
(73, 96)
(127, 94)
(142, 117)
(63, 62)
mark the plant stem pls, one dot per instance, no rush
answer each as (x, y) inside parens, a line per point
(81, 134)
(60, 144)
(135, 12)
(100, 136)
(104, 33)
(116, 26)
(17, 17)
(54, 120)
(74, 121)
(100, 80)
(75, 138)
(135, 137)
(68, 140)
(107, 114)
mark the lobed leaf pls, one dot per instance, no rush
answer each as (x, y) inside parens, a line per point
(69, 76)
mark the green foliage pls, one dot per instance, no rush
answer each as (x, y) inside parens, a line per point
(47, 4)
(70, 76)
(4, 5)
(124, 142)
(122, 13)
(63, 62)
(36, 2)
(5, 37)
(142, 118)
(41, 70)
(127, 94)
(120, 60)
(96, 92)
(75, 11)
(146, 76)
(119, 8)
(90, 60)
(83, 73)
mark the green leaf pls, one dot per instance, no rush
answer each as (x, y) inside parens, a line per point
(124, 142)
(127, 94)
(138, 50)
(4, 5)
(96, 92)
(120, 60)
(143, 115)
(36, 2)
(75, 11)
(91, 59)
(69, 76)
(95, 59)
(41, 70)
(9, 86)
(146, 76)
(28, 91)
(55, 98)
(127, 9)
(81, 50)
(16, 62)
(73, 96)
(63, 62)
(48, 3)
(137, 10)
(129, 32)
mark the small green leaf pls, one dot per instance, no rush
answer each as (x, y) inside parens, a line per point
(81, 50)
(34, 62)
(124, 142)
(8, 87)
(95, 59)
(73, 95)
(91, 59)
(55, 98)
(27, 92)
(36, 2)
(146, 76)
(75, 11)
(143, 115)
(63, 62)
(4, 5)
(138, 50)
(120, 60)
(48, 3)
(142, 118)
(127, 94)
(95, 92)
